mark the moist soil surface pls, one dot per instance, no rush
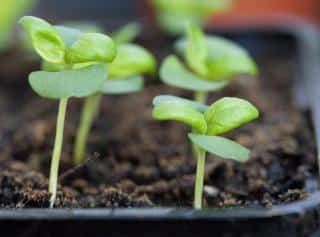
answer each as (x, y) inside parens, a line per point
(134, 161)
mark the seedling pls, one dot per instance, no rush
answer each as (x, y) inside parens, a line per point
(212, 62)
(125, 34)
(73, 67)
(172, 15)
(10, 11)
(207, 124)
(124, 77)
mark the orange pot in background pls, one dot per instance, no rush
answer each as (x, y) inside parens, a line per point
(268, 12)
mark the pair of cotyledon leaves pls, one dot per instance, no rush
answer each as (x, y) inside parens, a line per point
(213, 61)
(87, 55)
(207, 122)
(172, 15)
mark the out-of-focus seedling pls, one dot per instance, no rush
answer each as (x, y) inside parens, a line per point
(73, 67)
(10, 11)
(125, 34)
(207, 124)
(211, 61)
(124, 77)
(173, 14)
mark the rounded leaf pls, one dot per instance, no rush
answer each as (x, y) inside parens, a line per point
(221, 147)
(45, 39)
(68, 83)
(123, 86)
(131, 60)
(229, 113)
(196, 53)
(225, 58)
(173, 73)
(180, 111)
(91, 47)
(164, 98)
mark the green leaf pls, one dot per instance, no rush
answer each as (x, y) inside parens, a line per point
(10, 12)
(123, 86)
(131, 60)
(229, 113)
(225, 60)
(164, 98)
(69, 35)
(173, 73)
(45, 39)
(221, 147)
(68, 83)
(172, 15)
(91, 47)
(180, 111)
(196, 52)
(127, 33)
(228, 59)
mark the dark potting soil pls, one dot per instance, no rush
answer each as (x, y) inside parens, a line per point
(134, 161)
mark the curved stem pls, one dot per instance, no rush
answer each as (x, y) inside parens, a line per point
(53, 179)
(198, 191)
(89, 112)
(201, 97)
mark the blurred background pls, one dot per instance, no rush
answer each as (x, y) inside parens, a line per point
(242, 12)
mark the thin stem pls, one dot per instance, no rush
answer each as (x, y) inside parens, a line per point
(89, 112)
(198, 191)
(201, 97)
(53, 180)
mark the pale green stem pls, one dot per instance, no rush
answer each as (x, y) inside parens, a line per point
(201, 97)
(53, 180)
(198, 191)
(89, 112)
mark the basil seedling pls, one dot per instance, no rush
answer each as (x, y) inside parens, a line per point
(172, 15)
(73, 67)
(208, 123)
(213, 61)
(124, 77)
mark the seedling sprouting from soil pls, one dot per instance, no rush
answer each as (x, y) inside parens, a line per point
(10, 11)
(212, 62)
(172, 15)
(73, 67)
(124, 77)
(207, 124)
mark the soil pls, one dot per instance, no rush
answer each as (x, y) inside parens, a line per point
(134, 161)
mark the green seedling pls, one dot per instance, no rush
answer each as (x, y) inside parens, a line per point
(208, 123)
(125, 34)
(124, 77)
(10, 11)
(172, 15)
(211, 61)
(74, 66)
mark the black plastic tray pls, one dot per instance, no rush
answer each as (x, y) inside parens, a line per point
(300, 218)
